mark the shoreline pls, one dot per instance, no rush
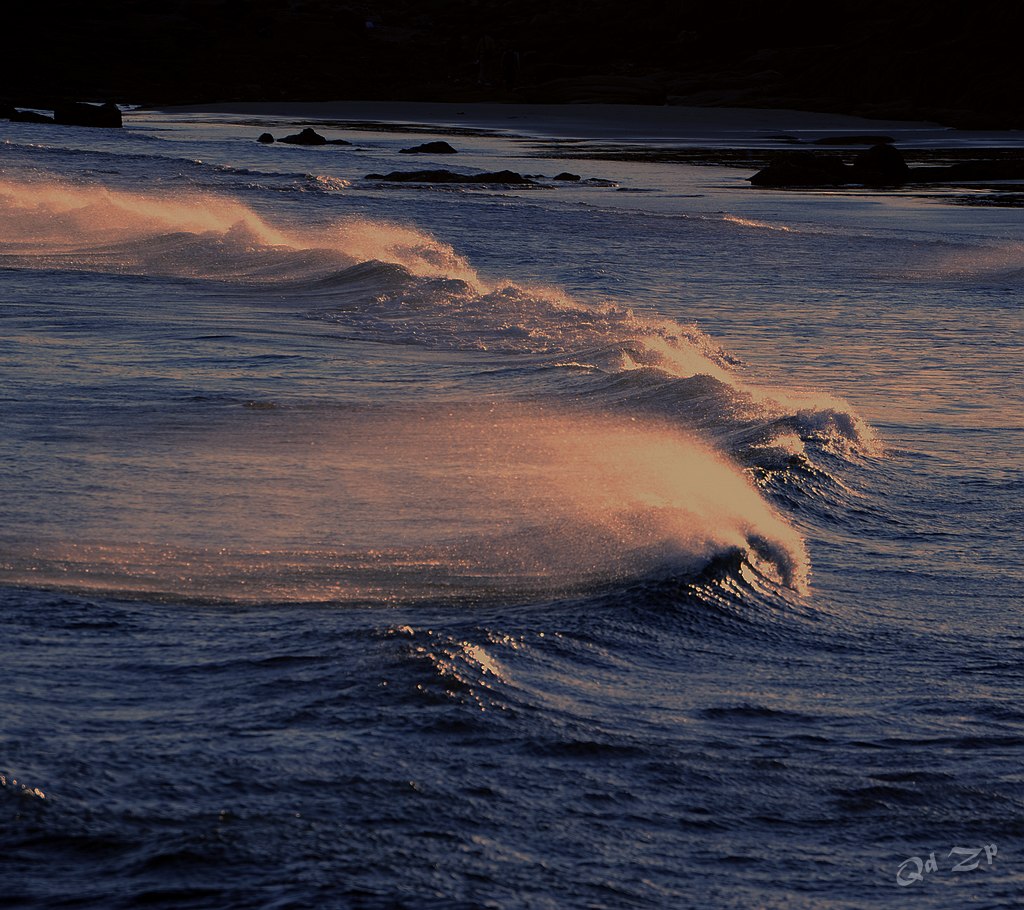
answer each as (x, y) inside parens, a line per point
(565, 121)
(786, 149)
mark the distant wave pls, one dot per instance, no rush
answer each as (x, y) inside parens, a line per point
(1002, 263)
(754, 223)
(395, 284)
(634, 362)
(49, 223)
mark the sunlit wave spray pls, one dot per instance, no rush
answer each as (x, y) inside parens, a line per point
(507, 502)
(196, 235)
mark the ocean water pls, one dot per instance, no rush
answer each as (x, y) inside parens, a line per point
(650, 541)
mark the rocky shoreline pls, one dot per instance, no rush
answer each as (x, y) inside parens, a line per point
(68, 113)
(778, 160)
(882, 166)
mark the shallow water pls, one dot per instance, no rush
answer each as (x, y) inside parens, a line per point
(651, 542)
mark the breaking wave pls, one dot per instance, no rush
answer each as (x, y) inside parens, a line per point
(60, 225)
(637, 445)
(503, 501)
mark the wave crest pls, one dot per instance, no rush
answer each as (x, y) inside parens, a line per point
(57, 224)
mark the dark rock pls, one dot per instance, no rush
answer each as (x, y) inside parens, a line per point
(933, 174)
(7, 111)
(431, 148)
(338, 142)
(804, 170)
(503, 177)
(75, 113)
(265, 138)
(884, 166)
(880, 165)
(307, 137)
(30, 117)
(565, 175)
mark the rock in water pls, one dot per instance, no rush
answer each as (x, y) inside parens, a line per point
(502, 177)
(804, 170)
(265, 138)
(880, 165)
(76, 113)
(307, 137)
(29, 117)
(431, 148)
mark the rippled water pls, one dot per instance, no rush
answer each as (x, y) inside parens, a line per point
(646, 542)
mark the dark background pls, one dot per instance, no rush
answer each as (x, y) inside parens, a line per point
(958, 63)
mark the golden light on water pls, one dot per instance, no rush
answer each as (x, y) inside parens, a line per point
(277, 505)
(22, 789)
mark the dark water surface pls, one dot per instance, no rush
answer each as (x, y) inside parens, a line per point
(372, 547)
